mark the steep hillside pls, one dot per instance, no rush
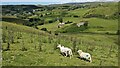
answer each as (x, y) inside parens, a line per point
(105, 10)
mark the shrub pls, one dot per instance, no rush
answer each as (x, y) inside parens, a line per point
(44, 29)
(40, 23)
(118, 32)
(51, 21)
(86, 24)
(75, 16)
(107, 33)
(36, 27)
(49, 32)
(56, 33)
(68, 22)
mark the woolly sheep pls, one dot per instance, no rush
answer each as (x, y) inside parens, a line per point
(65, 50)
(84, 55)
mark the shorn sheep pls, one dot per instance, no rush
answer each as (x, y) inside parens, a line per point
(84, 55)
(65, 50)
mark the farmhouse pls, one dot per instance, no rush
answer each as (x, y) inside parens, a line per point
(80, 24)
(61, 24)
(85, 23)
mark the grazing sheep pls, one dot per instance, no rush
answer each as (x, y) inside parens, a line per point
(84, 55)
(65, 50)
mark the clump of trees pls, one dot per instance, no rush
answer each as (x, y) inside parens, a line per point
(35, 21)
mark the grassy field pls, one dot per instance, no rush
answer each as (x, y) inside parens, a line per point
(99, 46)
(24, 45)
(96, 25)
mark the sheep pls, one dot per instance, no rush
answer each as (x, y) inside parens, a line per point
(84, 55)
(65, 50)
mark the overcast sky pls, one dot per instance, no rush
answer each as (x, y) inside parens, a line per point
(46, 2)
(63, 1)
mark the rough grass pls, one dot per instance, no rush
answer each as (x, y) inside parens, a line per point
(100, 40)
(97, 45)
(95, 25)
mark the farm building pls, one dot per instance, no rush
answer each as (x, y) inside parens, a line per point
(61, 24)
(82, 23)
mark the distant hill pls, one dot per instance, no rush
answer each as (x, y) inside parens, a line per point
(103, 10)
(17, 8)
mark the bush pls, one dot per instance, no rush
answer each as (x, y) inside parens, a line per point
(86, 24)
(41, 23)
(56, 33)
(49, 32)
(51, 21)
(107, 33)
(44, 29)
(118, 32)
(63, 31)
(68, 22)
(75, 16)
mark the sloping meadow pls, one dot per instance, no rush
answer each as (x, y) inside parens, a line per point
(26, 46)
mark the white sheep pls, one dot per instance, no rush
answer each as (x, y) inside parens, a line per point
(65, 50)
(84, 55)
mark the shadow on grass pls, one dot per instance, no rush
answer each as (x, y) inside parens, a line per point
(83, 59)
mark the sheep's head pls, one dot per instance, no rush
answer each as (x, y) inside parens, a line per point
(79, 51)
(59, 45)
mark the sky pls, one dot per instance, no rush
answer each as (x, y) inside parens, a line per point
(54, 1)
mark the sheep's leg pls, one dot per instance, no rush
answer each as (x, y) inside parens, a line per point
(70, 56)
(65, 54)
(90, 60)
